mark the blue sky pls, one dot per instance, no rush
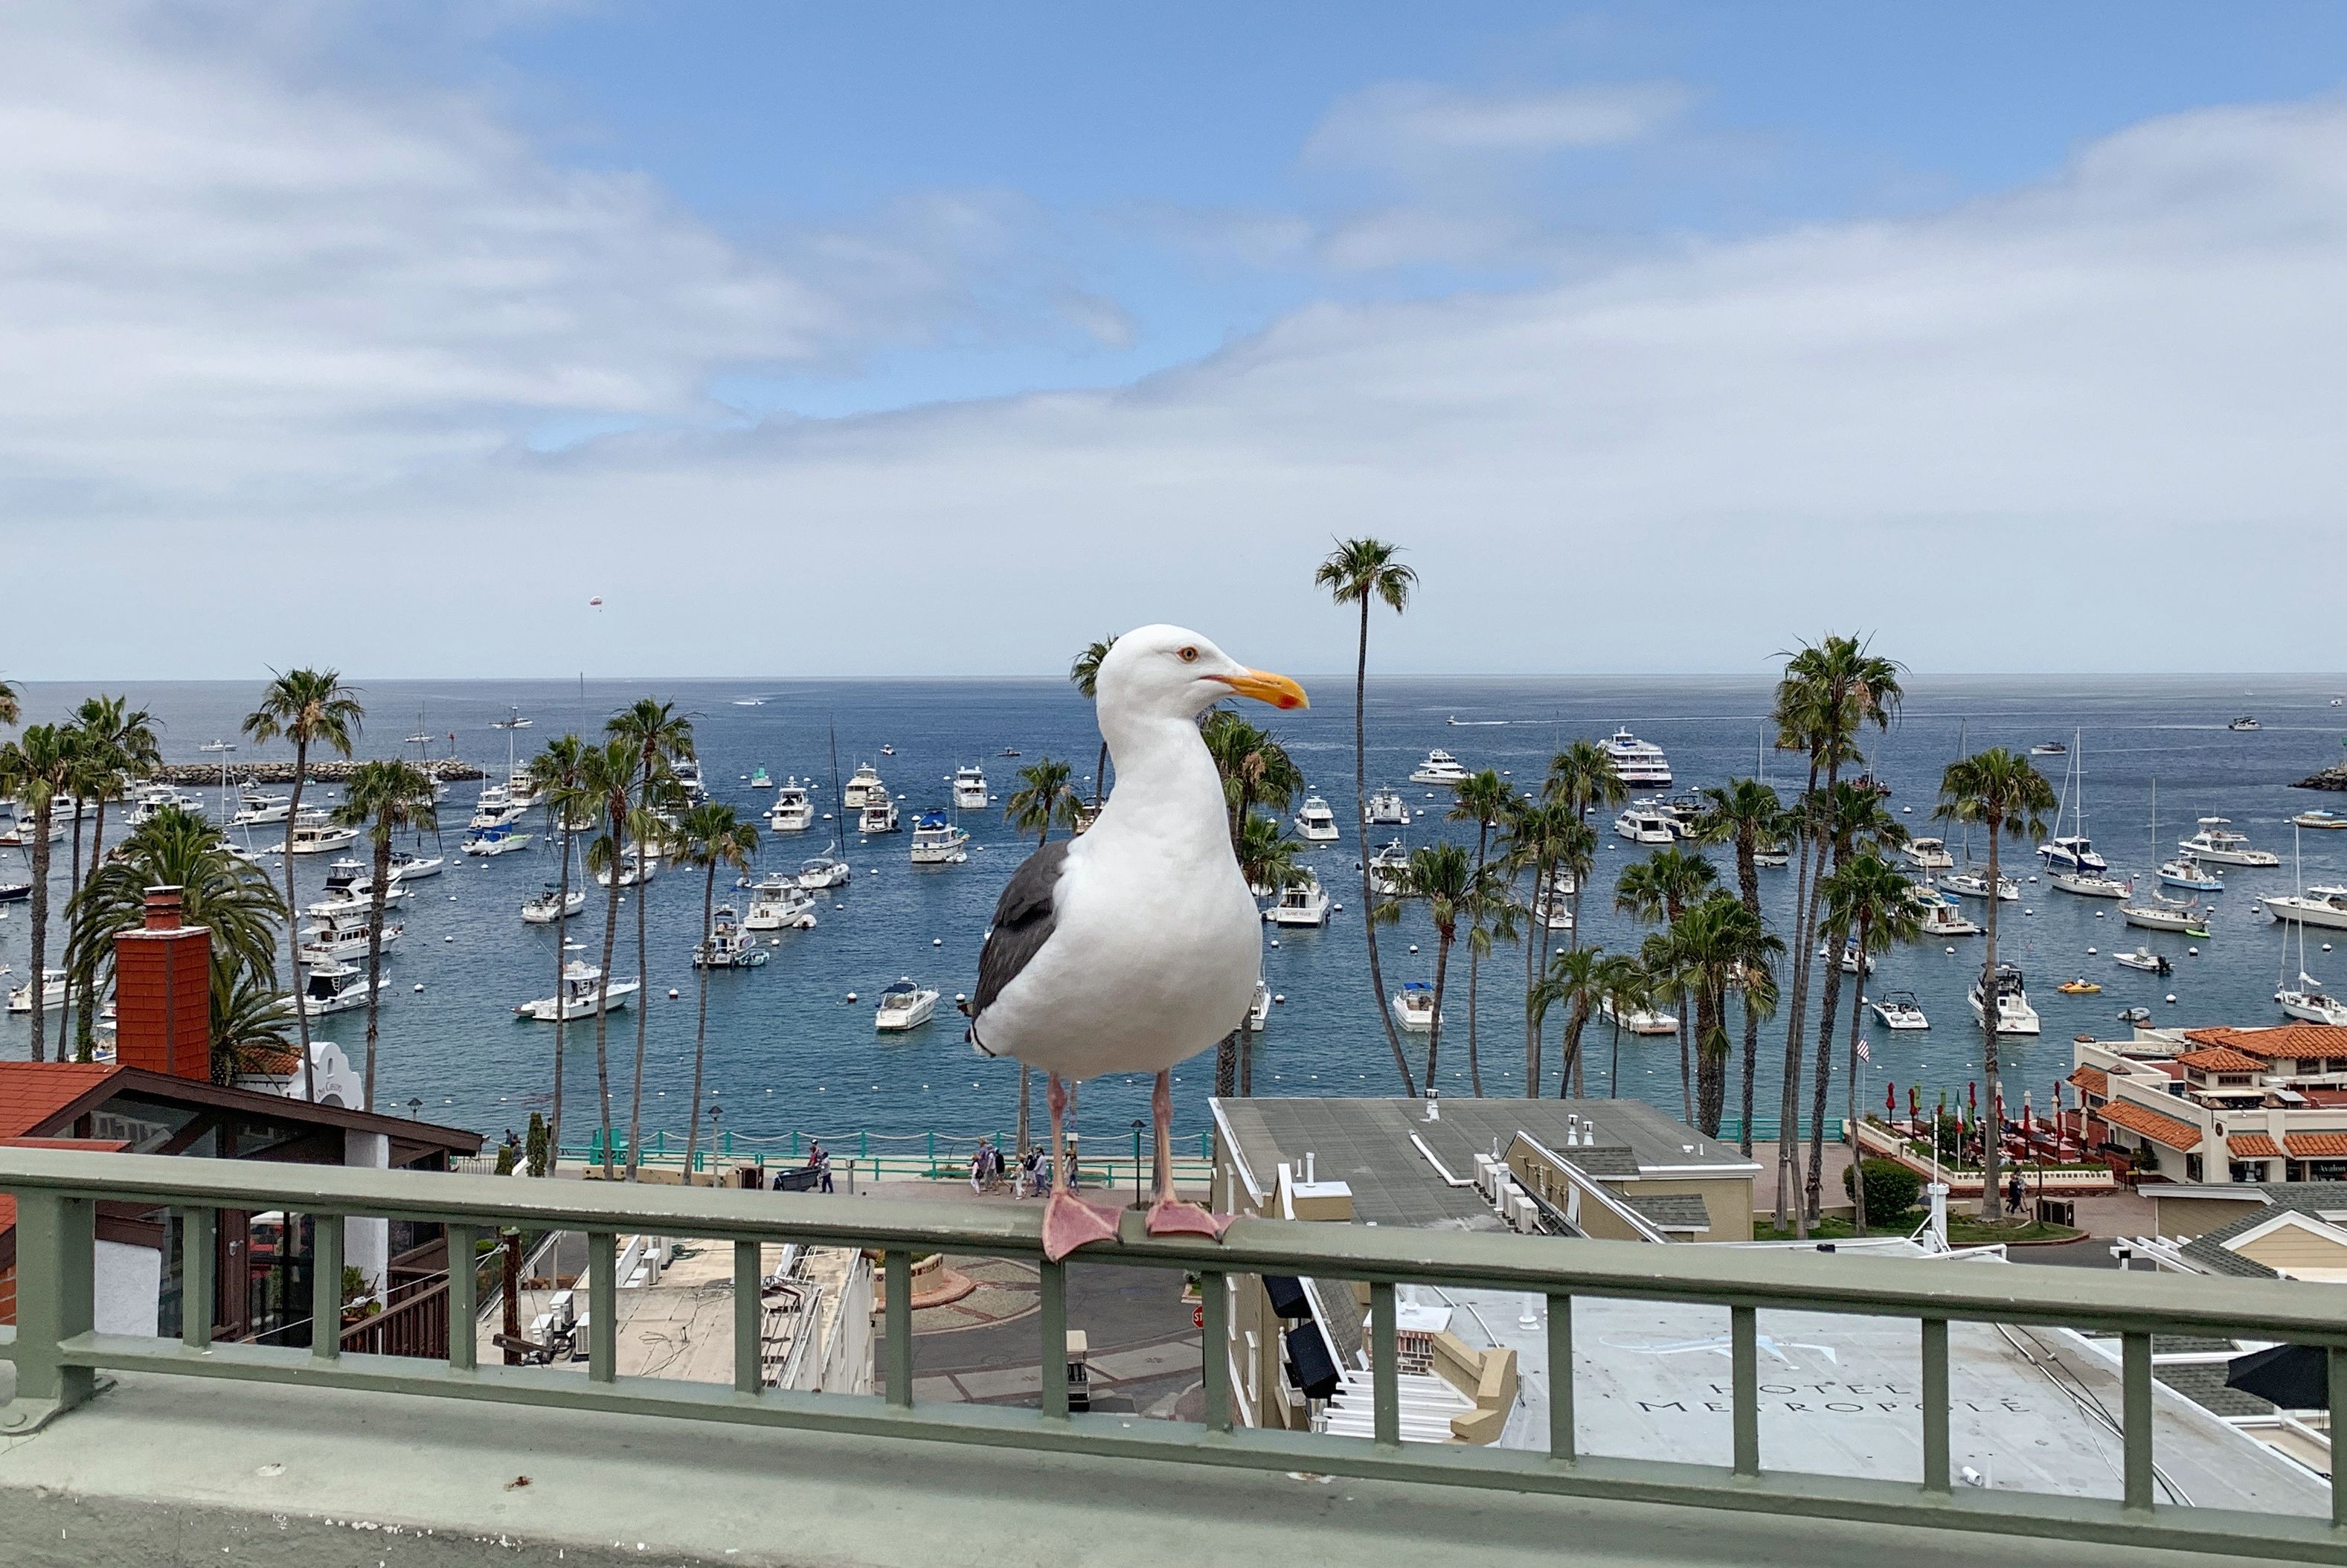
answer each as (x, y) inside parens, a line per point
(1775, 312)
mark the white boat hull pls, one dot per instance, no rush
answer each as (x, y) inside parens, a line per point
(2313, 1007)
(542, 1010)
(2163, 919)
(541, 911)
(2306, 912)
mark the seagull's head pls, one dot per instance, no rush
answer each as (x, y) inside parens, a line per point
(1173, 670)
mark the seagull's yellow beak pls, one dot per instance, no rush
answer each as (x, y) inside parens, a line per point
(1265, 687)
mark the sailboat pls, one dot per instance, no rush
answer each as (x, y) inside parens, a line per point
(1768, 851)
(2307, 1000)
(829, 870)
(2154, 912)
(2075, 865)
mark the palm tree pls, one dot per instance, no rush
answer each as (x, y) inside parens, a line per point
(1847, 818)
(386, 798)
(120, 746)
(249, 1022)
(1999, 790)
(1747, 813)
(709, 836)
(1624, 987)
(1871, 899)
(1659, 888)
(660, 737)
(37, 767)
(1267, 857)
(1577, 978)
(1717, 943)
(1365, 571)
(309, 708)
(1482, 799)
(1256, 768)
(554, 778)
(11, 709)
(1442, 878)
(1584, 776)
(1084, 672)
(1541, 834)
(607, 776)
(1046, 799)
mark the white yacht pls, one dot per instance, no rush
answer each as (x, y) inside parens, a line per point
(547, 907)
(937, 841)
(1413, 1007)
(2183, 871)
(2092, 885)
(728, 946)
(2219, 844)
(1640, 764)
(2146, 961)
(1945, 917)
(631, 870)
(356, 901)
(345, 936)
(319, 834)
(53, 993)
(2310, 1001)
(1305, 903)
(779, 903)
(1439, 768)
(2317, 906)
(793, 811)
(1850, 957)
(409, 868)
(1974, 884)
(2072, 853)
(1259, 1009)
(969, 788)
(1639, 1020)
(2154, 913)
(502, 839)
(864, 785)
(1899, 1011)
(1385, 867)
(686, 771)
(2014, 1013)
(1553, 905)
(333, 987)
(1315, 823)
(151, 803)
(1774, 856)
(1643, 823)
(1387, 809)
(577, 998)
(904, 1006)
(254, 809)
(1931, 854)
(2245, 722)
(346, 878)
(824, 871)
(878, 814)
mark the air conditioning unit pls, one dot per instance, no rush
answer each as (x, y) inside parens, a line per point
(1527, 1216)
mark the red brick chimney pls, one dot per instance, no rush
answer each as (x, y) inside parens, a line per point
(162, 993)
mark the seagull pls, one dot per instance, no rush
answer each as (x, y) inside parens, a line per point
(1137, 944)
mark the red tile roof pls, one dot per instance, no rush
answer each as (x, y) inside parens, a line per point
(2315, 1145)
(2222, 1059)
(33, 1092)
(2298, 1040)
(2093, 1080)
(2159, 1129)
(2251, 1147)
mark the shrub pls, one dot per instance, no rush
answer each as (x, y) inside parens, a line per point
(1892, 1189)
(539, 1146)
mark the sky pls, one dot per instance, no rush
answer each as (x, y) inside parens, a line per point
(525, 337)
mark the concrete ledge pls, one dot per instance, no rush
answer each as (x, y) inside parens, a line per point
(166, 1470)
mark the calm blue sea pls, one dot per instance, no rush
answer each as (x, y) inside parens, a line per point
(789, 1053)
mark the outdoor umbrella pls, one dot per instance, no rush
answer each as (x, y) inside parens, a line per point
(2295, 1377)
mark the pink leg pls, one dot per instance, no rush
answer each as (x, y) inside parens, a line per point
(1168, 1216)
(1069, 1222)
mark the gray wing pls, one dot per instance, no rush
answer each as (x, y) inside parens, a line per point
(1023, 923)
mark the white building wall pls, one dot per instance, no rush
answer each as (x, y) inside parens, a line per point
(367, 1242)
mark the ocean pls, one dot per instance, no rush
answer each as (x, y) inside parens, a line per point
(789, 1053)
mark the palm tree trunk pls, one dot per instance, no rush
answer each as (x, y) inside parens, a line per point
(1614, 1073)
(1474, 961)
(38, 980)
(1227, 1062)
(1748, 883)
(1570, 1071)
(1443, 940)
(1246, 1056)
(700, 1026)
(1849, 1089)
(644, 1019)
(375, 896)
(1361, 838)
(561, 930)
(602, 996)
(86, 1024)
(292, 921)
(73, 885)
(1100, 776)
(1789, 1116)
(1814, 1186)
(1686, 1059)
(1992, 1135)
(1535, 951)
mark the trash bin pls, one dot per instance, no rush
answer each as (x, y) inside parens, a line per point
(1080, 1384)
(2058, 1211)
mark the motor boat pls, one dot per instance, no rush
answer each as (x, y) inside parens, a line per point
(2321, 821)
(2157, 914)
(1944, 918)
(2317, 906)
(1259, 1009)
(1685, 813)
(254, 809)
(937, 841)
(888, 751)
(547, 907)
(861, 787)
(409, 868)
(969, 788)
(2092, 885)
(1645, 823)
(1439, 768)
(1387, 809)
(1303, 903)
(904, 1006)
(2183, 871)
(2072, 853)
(727, 946)
(879, 814)
(334, 987)
(1315, 823)
(793, 811)
(345, 877)
(824, 871)
(1974, 885)
(1385, 868)
(760, 778)
(14, 892)
(2049, 749)
(1930, 854)
(2014, 1013)
(356, 900)
(2310, 1001)
(1774, 856)
(2219, 844)
(2245, 722)
(2079, 985)
(686, 774)
(1899, 1011)
(1553, 908)
(506, 838)
(1850, 957)
(53, 993)
(319, 834)
(347, 935)
(779, 903)
(1008, 752)
(1640, 764)
(577, 998)
(632, 870)
(151, 803)
(1413, 1007)
(1639, 1020)
(2146, 961)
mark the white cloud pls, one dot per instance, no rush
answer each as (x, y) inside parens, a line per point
(1408, 123)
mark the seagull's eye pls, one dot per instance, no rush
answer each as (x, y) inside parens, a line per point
(1188, 656)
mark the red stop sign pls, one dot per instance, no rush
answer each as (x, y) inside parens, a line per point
(1198, 1315)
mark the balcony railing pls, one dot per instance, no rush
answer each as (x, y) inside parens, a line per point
(59, 1354)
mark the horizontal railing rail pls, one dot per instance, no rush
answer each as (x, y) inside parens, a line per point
(58, 1353)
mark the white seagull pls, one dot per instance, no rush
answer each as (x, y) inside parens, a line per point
(1137, 944)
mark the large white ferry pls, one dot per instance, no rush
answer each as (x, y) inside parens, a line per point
(1640, 763)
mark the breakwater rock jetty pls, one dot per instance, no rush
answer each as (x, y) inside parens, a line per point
(333, 771)
(2334, 778)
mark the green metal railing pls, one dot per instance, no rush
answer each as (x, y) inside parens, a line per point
(59, 1354)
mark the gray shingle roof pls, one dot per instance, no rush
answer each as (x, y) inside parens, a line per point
(2204, 1385)
(2208, 1250)
(1670, 1211)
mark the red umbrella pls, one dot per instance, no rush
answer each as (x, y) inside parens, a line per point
(1890, 1103)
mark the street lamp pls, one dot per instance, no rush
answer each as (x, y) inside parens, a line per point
(415, 1110)
(1137, 1125)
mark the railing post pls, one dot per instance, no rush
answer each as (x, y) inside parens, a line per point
(2134, 1367)
(1051, 1279)
(325, 1287)
(1214, 1347)
(1935, 1404)
(602, 1307)
(57, 1250)
(1385, 1374)
(898, 1351)
(1743, 1347)
(1561, 1434)
(198, 1268)
(749, 1317)
(464, 1297)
